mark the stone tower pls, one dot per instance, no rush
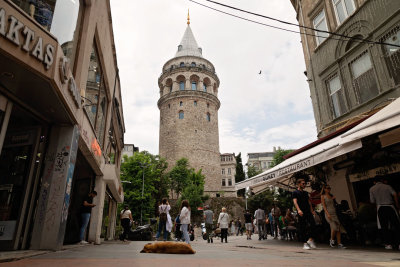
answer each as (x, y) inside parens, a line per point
(189, 112)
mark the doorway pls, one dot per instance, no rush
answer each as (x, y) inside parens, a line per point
(83, 182)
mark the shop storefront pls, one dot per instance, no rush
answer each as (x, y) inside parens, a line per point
(348, 162)
(56, 140)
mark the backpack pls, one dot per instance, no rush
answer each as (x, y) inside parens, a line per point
(163, 214)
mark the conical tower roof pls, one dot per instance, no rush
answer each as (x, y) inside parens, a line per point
(188, 45)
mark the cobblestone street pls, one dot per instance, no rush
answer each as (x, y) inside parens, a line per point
(238, 252)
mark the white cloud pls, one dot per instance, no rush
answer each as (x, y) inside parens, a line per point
(258, 111)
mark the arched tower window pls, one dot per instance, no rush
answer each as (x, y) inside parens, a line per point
(181, 115)
(179, 47)
(181, 80)
(182, 64)
(206, 84)
(168, 85)
(193, 64)
(208, 116)
(194, 80)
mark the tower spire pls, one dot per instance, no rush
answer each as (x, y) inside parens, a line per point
(188, 18)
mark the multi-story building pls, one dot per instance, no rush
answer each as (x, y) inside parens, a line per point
(353, 68)
(261, 161)
(189, 112)
(228, 171)
(61, 122)
(129, 150)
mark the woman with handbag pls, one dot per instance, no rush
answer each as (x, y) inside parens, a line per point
(126, 221)
(329, 203)
(223, 223)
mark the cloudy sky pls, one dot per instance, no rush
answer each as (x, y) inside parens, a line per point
(258, 111)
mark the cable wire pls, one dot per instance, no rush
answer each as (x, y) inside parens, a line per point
(268, 25)
(360, 40)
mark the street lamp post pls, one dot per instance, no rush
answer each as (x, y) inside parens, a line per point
(143, 165)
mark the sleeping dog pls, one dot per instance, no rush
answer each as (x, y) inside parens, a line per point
(168, 248)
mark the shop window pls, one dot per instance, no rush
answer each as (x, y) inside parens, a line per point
(343, 9)
(364, 81)
(392, 54)
(337, 96)
(96, 101)
(60, 17)
(320, 24)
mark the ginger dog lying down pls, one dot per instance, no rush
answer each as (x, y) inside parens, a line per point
(168, 248)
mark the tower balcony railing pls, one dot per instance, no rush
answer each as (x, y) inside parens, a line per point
(175, 69)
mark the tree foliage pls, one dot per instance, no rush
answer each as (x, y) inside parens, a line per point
(279, 154)
(239, 176)
(282, 198)
(179, 176)
(252, 171)
(143, 166)
(188, 184)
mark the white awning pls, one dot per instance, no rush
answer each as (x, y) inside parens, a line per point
(313, 156)
(386, 118)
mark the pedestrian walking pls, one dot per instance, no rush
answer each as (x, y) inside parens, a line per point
(163, 211)
(185, 219)
(232, 227)
(260, 216)
(223, 223)
(248, 222)
(271, 223)
(86, 210)
(305, 211)
(276, 213)
(385, 198)
(126, 222)
(328, 201)
(178, 232)
(238, 225)
(208, 221)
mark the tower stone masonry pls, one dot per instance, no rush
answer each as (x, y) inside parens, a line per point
(189, 107)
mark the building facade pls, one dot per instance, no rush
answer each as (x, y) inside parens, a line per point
(129, 150)
(228, 172)
(261, 161)
(349, 77)
(61, 119)
(189, 107)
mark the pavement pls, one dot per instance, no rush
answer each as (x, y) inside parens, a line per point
(237, 252)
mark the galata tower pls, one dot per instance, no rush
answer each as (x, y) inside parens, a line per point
(189, 111)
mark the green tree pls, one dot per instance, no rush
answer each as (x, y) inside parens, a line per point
(279, 154)
(252, 171)
(155, 185)
(239, 176)
(263, 200)
(179, 176)
(194, 191)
